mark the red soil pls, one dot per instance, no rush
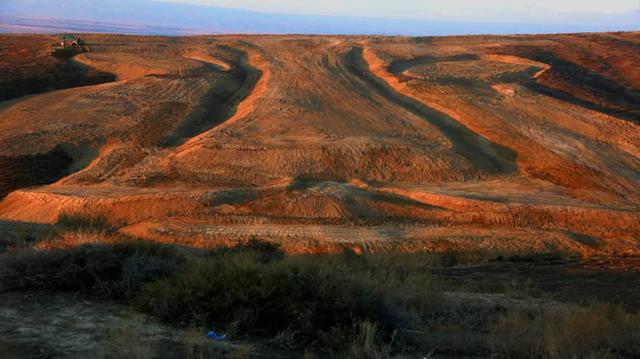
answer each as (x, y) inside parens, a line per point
(512, 143)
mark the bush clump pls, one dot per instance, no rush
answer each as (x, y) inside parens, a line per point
(114, 271)
(84, 223)
(313, 300)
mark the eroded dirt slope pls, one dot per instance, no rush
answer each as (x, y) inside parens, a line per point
(515, 143)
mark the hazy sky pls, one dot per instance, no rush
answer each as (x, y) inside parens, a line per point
(405, 17)
(490, 10)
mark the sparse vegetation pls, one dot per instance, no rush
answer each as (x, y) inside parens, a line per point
(125, 343)
(84, 223)
(595, 331)
(356, 306)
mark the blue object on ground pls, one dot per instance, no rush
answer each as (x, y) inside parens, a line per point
(215, 336)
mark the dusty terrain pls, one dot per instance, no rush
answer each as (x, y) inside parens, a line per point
(511, 143)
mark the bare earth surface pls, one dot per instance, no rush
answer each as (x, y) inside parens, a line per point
(511, 143)
(48, 326)
(36, 325)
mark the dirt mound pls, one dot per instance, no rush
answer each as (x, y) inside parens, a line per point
(131, 66)
(509, 143)
(28, 66)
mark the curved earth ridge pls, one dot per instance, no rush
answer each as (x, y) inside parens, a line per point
(321, 143)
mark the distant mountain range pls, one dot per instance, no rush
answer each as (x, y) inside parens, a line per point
(151, 17)
(46, 25)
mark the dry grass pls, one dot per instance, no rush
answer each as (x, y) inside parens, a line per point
(127, 343)
(365, 342)
(595, 331)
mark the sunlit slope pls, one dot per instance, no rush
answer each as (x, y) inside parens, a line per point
(501, 143)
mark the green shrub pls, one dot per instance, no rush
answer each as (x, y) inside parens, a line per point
(84, 223)
(263, 251)
(115, 271)
(298, 301)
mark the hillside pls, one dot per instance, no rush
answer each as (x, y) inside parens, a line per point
(319, 143)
